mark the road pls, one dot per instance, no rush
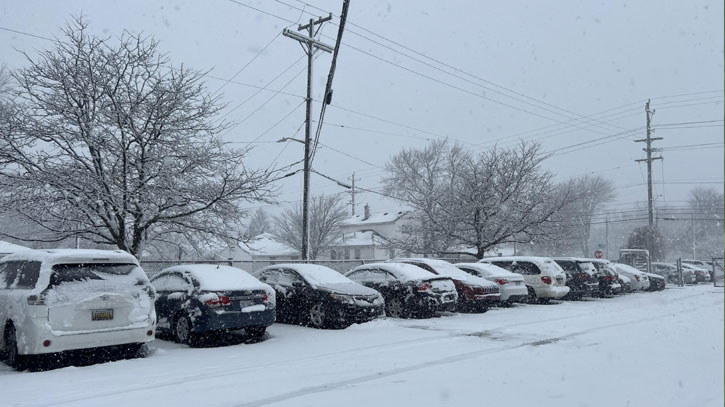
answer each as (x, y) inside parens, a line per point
(663, 348)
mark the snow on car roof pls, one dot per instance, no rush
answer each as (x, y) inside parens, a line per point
(447, 269)
(402, 271)
(316, 274)
(57, 256)
(218, 277)
(487, 269)
(627, 268)
(538, 260)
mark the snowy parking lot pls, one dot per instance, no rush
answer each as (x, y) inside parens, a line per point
(644, 349)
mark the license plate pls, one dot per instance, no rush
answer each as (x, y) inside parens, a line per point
(102, 314)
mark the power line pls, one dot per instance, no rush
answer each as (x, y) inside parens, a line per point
(26, 34)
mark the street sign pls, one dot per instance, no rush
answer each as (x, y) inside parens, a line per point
(598, 254)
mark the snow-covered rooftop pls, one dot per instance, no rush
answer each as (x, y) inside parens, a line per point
(267, 244)
(375, 218)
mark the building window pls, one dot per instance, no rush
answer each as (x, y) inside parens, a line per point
(357, 254)
(333, 255)
(391, 253)
(347, 254)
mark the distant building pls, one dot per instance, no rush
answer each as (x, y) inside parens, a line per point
(367, 245)
(262, 247)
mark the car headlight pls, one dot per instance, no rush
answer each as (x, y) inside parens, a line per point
(347, 299)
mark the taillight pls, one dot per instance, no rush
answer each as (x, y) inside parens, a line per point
(583, 276)
(36, 300)
(501, 281)
(636, 276)
(546, 279)
(217, 302)
(265, 299)
(425, 286)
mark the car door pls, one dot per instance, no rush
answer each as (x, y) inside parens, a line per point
(172, 290)
(297, 295)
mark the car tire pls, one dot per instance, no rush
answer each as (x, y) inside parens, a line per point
(12, 357)
(255, 331)
(532, 298)
(395, 308)
(182, 330)
(136, 351)
(318, 316)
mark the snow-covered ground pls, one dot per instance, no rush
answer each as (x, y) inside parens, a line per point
(645, 349)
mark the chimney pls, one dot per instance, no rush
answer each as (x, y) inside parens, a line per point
(367, 212)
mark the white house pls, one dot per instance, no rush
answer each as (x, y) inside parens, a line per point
(367, 245)
(263, 247)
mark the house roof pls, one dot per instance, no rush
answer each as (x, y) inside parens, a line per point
(375, 218)
(267, 244)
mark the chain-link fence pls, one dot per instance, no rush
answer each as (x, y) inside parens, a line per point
(153, 267)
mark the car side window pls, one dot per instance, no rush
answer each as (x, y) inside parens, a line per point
(288, 278)
(471, 271)
(269, 276)
(5, 276)
(525, 268)
(379, 276)
(171, 282)
(360, 275)
(508, 265)
(21, 274)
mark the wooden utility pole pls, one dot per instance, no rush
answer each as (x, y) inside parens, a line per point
(352, 192)
(310, 45)
(649, 150)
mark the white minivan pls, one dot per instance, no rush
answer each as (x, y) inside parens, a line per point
(66, 299)
(544, 278)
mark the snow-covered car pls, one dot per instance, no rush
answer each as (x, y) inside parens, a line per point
(581, 277)
(511, 285)
(195, 299)
(545, 280)
(625, 282)
(701, 274)
(703, 264)
(638, 279)
(59, 300)
(408, 290)
(670, 273)
(320, 296)
(475, 294)
(608, 280)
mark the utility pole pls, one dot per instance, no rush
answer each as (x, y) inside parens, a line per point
(692, 219)
(606, 236)
(310, 45)
(649, 150)
(352, 192)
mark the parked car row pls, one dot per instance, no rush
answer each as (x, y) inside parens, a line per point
(59, 300)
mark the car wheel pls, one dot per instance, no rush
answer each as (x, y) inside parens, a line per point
(12, 357)
(532, 299)
(182, 329)
(255, 331)
(395, 308)
(317, 315)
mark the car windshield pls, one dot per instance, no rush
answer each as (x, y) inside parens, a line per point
(66, 273)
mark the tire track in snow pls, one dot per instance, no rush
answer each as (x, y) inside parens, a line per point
(439, 362)
(221, 373)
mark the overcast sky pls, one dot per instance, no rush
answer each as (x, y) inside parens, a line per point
(513, 70)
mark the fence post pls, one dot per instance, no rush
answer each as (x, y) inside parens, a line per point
(680, 277)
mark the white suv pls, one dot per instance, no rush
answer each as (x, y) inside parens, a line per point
(544, 278)
(58, 300)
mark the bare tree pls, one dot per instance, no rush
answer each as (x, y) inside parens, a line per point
(111, 142)
(498, 196)
(588, 194)
(326, 214)
(258, 224)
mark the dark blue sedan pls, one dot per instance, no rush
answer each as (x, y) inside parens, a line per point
(200, 298)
